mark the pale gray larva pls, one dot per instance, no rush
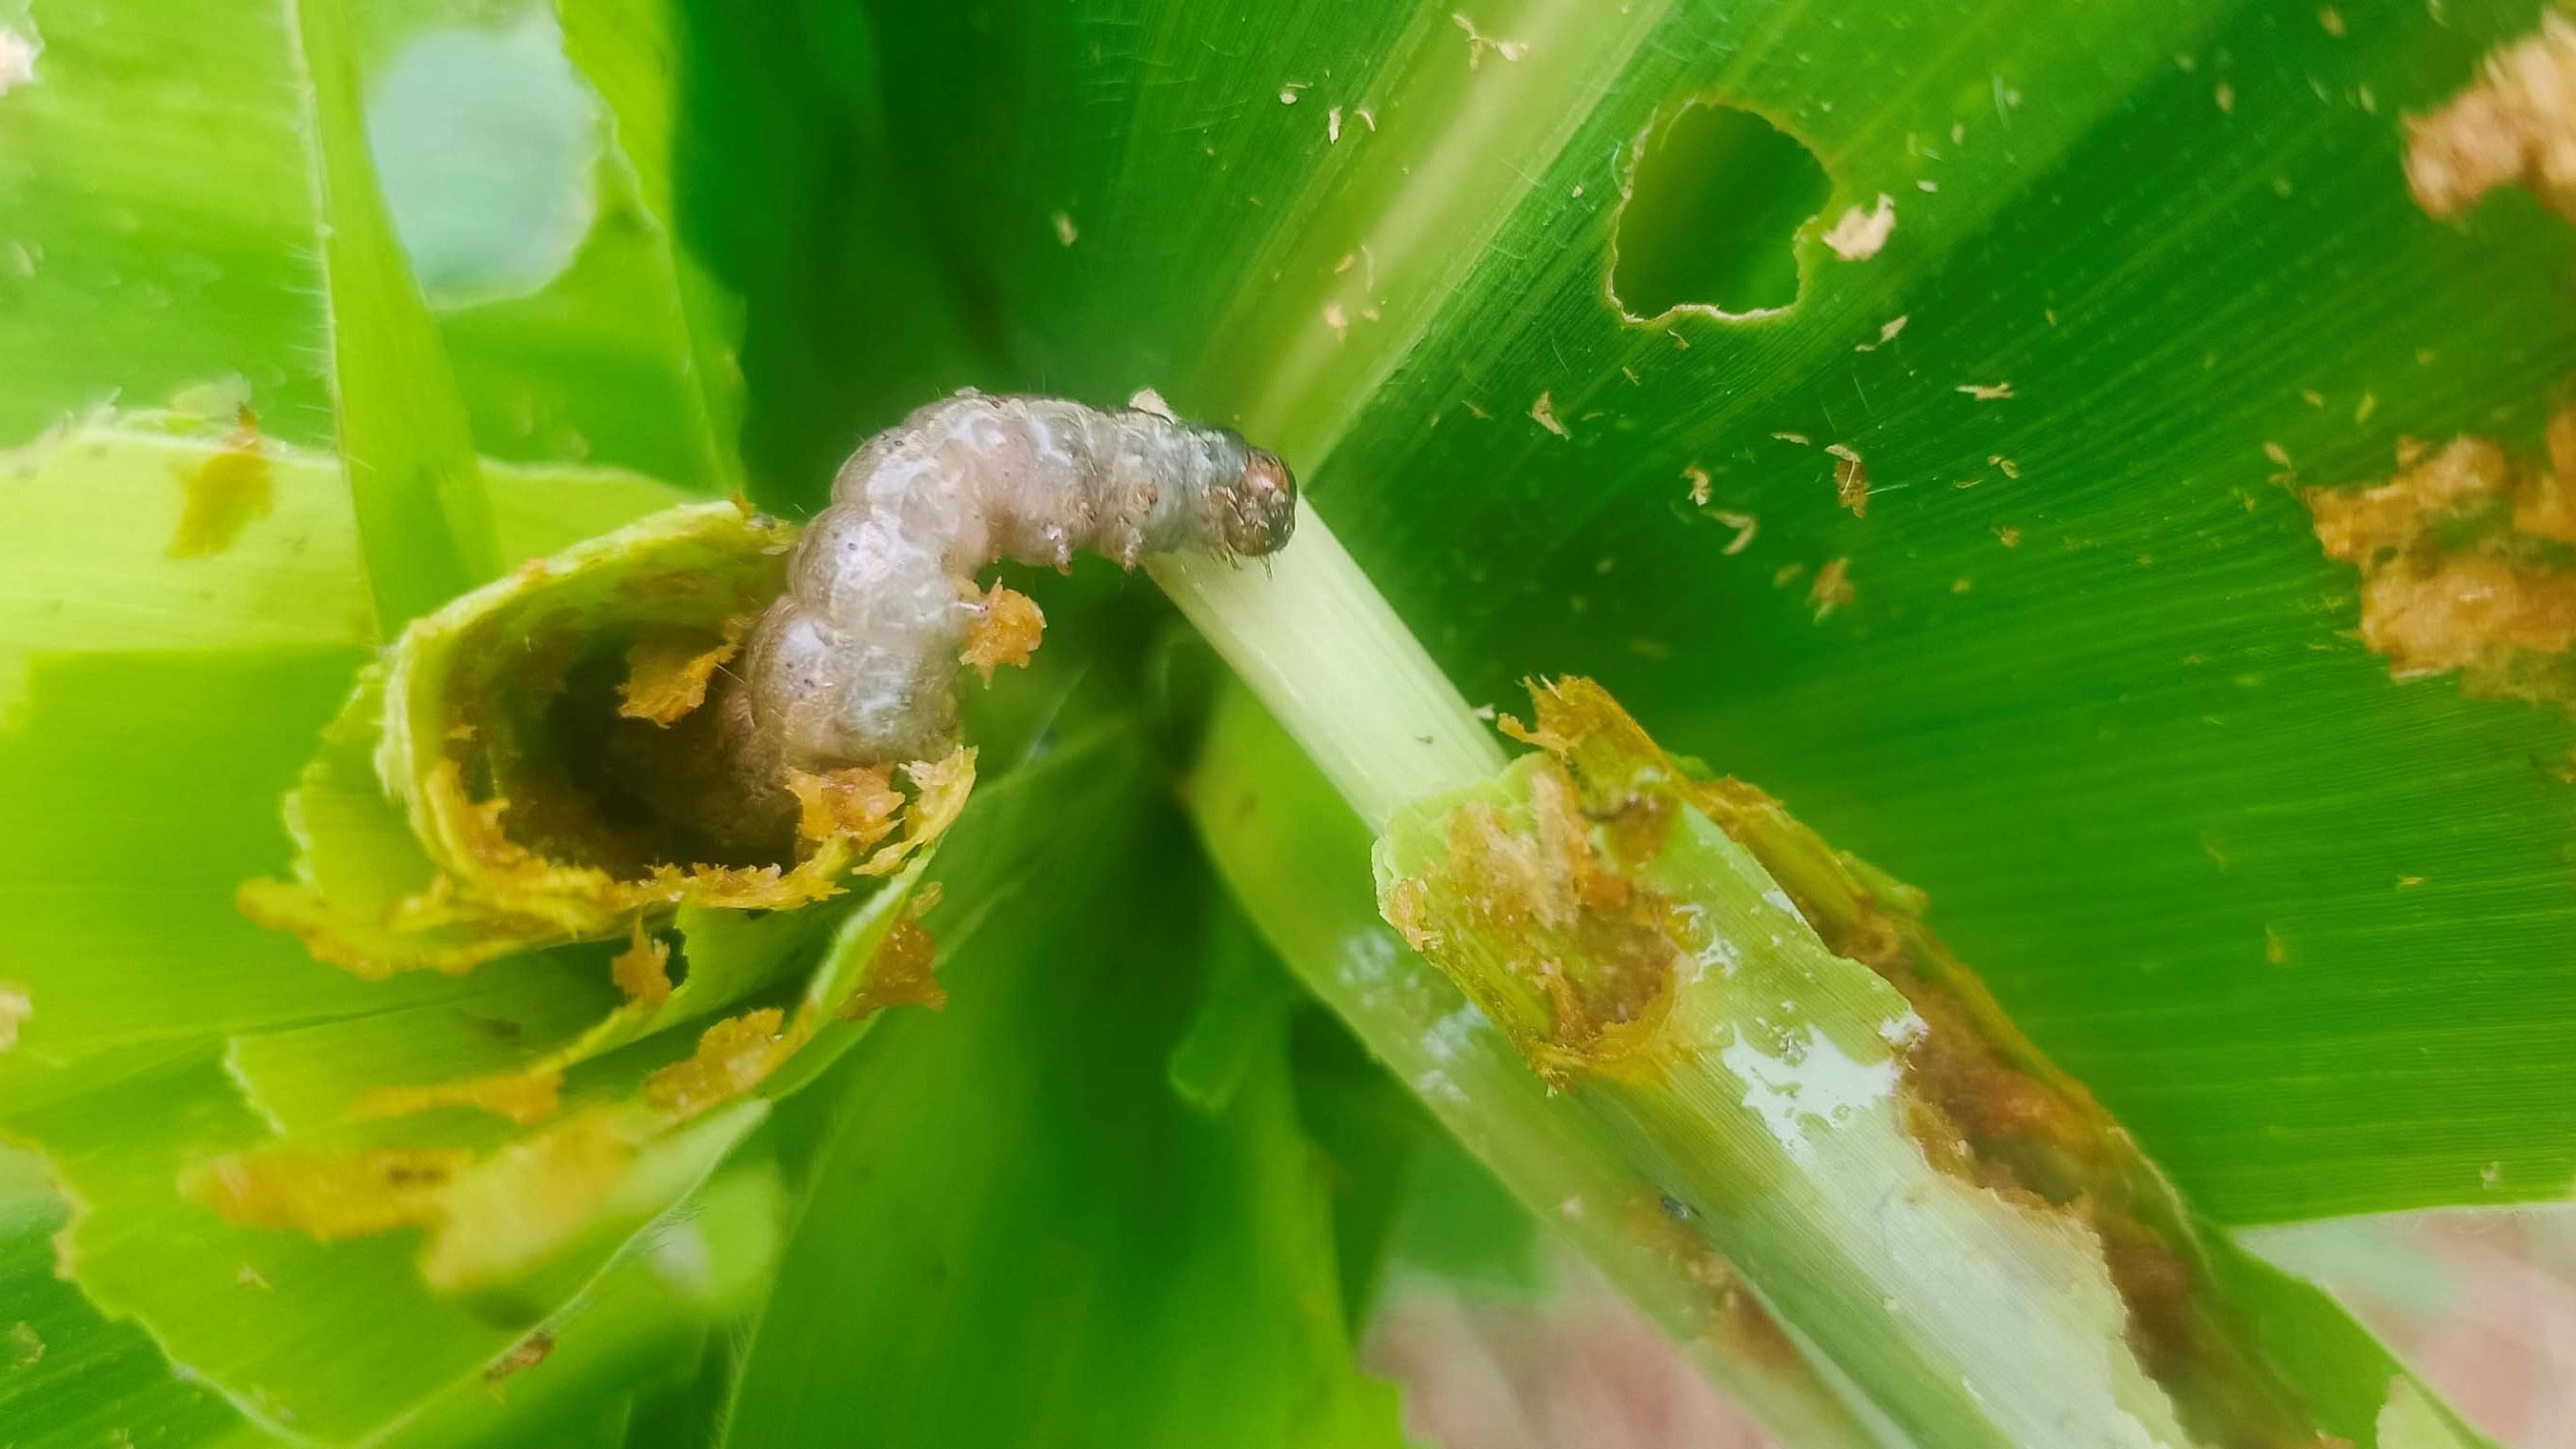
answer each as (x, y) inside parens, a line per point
(857, 663)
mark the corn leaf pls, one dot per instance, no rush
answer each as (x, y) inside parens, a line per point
(1074, 1254)
(2075, 662)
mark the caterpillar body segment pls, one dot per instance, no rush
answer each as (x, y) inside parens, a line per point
(857, 662)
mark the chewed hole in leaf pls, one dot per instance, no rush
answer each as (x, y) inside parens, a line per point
(484, 142)
(1714, 203)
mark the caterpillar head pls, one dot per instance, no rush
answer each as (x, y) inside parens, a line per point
(1258, 510)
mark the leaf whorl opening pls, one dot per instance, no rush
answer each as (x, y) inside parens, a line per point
(856, 664)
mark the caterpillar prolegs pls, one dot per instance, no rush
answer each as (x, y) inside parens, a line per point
(857, 662)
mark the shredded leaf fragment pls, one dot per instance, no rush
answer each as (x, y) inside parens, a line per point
(1886, 335)
(939, 791)
(1478, 43)
(1407, 906)
(643, 970)
(858, 803)
(525, 1201)
(1857, 235)
(225, 494)
(2517, 125)
(526, 1354)
(733, 1056)
(525, 1097)
(329, 1196)
(2456, 573)
(901, 972)
(1831, 589)
(1526, 892)
(1851, 479)
(1585, 961)
(2361, 526)
(1006, 631)
(668, 670)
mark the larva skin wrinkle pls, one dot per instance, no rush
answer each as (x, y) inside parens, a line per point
(857, 663)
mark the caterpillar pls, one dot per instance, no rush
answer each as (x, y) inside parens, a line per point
(856, 662)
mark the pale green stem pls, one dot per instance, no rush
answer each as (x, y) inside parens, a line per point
(1764, 1165)
(1315, 640)
(1330, 659)
(1292, 854)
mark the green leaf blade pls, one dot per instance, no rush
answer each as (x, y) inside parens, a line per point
(1035, 1273)
(2094, 687)
(403, 436)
